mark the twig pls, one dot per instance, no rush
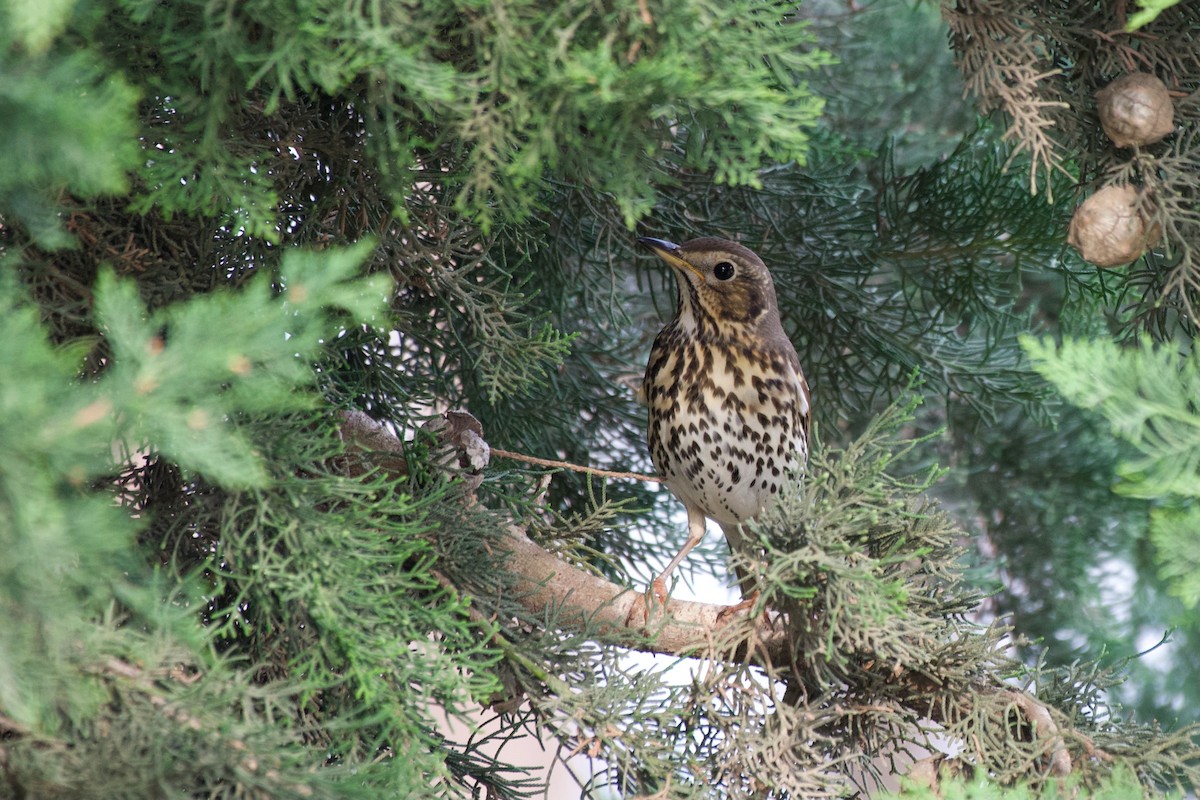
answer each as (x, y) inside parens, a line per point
(549, 462)
(1090, 748)
(1045, 729)
(12, 726)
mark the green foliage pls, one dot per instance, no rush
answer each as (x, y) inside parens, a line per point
(165, 724)
(204, 591)
(34, 26)
(511, 355)
(304, 594)
(1173, 532)
(1149, 11)
(56, 113)
(1148, 396)
(1122, 784)
(330, 565)
(496, 99)
(519, 363)
(894, 81)
(70, 550)
(861, 548)
(162, 362)
(65, 547)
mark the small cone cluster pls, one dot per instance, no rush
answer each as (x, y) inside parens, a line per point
(1110, 228)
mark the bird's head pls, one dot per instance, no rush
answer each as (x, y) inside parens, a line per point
(720, 283)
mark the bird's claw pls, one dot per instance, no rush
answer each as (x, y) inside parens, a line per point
(728, 612)
(656, 595)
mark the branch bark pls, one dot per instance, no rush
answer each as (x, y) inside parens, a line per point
(680, 628)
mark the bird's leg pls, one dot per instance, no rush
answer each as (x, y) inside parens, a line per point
(657, 593)
(736, 539)
(696, 527)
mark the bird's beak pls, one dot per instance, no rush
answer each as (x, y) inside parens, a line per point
(669, 252)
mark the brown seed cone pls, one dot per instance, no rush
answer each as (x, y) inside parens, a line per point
(1136, 110)
(1108, 230)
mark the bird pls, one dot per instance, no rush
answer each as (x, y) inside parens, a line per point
(728, 403)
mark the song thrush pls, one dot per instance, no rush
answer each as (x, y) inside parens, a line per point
(728, 403)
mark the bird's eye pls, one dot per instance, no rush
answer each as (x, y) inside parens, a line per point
(723, 270)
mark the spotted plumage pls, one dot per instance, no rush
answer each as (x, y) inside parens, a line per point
(728, 403)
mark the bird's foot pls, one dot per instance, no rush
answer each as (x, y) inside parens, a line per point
(658, 588)
(656, 596)
(729, 612)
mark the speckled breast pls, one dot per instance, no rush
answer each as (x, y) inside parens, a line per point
(725, 423)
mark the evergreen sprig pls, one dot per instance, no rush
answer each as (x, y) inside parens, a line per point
(161, 363)
(55, 114)
(494, 101)
(1148, 396)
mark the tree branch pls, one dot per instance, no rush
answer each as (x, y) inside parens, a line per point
(582, 599)
(544, 580)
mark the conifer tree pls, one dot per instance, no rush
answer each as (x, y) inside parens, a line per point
(291, 292)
